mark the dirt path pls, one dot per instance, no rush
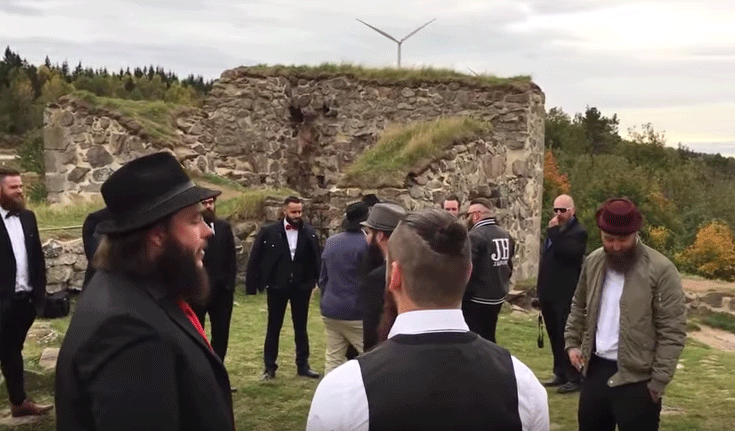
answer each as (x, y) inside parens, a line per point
(715, 338)
(702, 285)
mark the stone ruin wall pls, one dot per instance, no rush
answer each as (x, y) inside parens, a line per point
(301, 133)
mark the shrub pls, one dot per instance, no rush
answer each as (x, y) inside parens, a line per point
(712, 254)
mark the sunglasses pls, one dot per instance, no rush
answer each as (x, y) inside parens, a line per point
(560, 210)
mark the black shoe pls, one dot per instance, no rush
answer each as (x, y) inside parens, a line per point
(569, 387)
(308, 372)
(556, 381)
(268, 375)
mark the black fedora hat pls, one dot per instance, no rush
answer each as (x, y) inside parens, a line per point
(146, 190)
(619, 216)
(356, 213)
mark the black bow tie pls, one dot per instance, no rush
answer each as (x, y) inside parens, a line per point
(12, 213)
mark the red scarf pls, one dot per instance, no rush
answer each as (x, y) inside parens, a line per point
(194, 320)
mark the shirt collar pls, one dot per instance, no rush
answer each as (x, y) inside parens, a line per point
(3, 213)
(422, 321)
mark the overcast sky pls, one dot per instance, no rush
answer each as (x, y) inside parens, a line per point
(670, 63)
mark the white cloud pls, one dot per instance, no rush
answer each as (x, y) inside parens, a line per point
(667, 62)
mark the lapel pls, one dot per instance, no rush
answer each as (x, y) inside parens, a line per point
(286, 249)
(29, 235)
(177, 315)
(5, 239)
(301, 244)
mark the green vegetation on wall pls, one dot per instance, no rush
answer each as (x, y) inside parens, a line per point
(386, 75)
(401, 149)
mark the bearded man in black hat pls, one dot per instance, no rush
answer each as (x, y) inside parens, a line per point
(135, 356)
(627, 325)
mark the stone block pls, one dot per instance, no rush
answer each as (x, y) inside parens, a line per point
(520, 168)
(52, 249)
(51, 161)
(48, 358)
(55, 183)
(98, 157)
(54, 138)
(407, 92)
(104, 123)
(66, 119)
(714, 299)
(99, 137)
(77, 174)
(102, 174)
(58, 274)
(90, 188)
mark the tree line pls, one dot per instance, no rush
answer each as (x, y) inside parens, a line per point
(25, 89)
(688, 198)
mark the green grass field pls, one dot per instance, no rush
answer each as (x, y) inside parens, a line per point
(700, 398)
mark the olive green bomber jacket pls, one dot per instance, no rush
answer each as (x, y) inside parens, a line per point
(652, 317)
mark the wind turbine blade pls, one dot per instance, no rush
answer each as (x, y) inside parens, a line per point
(414, 32)
(379, 31)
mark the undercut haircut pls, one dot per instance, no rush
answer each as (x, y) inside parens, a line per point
(8, 172)
(433, 250)
(487, 203)
(291, 200)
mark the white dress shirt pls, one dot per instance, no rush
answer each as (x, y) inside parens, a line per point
(340, 401)
(292, 235)
(18, 242)
(608, 321)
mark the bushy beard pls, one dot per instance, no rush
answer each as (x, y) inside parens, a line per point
(623, 260)
(374, 256)
(208, 216)
(295, 222)
(183, 278)
(390, 313)
(12, 205)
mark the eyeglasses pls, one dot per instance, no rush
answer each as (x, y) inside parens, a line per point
(366, 231)
(560, 210)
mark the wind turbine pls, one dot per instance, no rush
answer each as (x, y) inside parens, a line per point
(399, 42)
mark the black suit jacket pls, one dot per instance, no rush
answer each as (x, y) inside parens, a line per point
(562, 254)
(220, 259)
(131, 360)
(270, 262)
(36, 261)
(92, 240)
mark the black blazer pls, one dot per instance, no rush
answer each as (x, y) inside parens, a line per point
(220, 259)
(270, 262)
(92, 240)
(131, 360)
(562, 254)
(36, 261)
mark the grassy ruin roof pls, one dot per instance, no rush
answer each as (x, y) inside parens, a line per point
(405, 149)
(154, 119)
(389, 75)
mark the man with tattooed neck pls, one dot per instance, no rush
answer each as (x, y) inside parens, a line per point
(431, 372)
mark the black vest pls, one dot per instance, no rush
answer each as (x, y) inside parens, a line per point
(440, 381)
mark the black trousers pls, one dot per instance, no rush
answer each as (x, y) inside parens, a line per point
(555, 318)
(277, 301)
(219, 309)
(601, 407)
(16, 319)
(482, 319)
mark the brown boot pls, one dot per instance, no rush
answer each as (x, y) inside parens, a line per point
(28, 408)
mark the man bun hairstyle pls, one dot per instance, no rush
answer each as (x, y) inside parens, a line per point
(433, 250)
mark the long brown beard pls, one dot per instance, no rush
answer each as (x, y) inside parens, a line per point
(12, 205)
(182, 277)
(388, 318)
(621, 261)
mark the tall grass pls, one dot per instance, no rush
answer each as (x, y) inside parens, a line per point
(402, 148)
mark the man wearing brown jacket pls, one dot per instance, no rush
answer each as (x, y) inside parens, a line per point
(626, 329)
